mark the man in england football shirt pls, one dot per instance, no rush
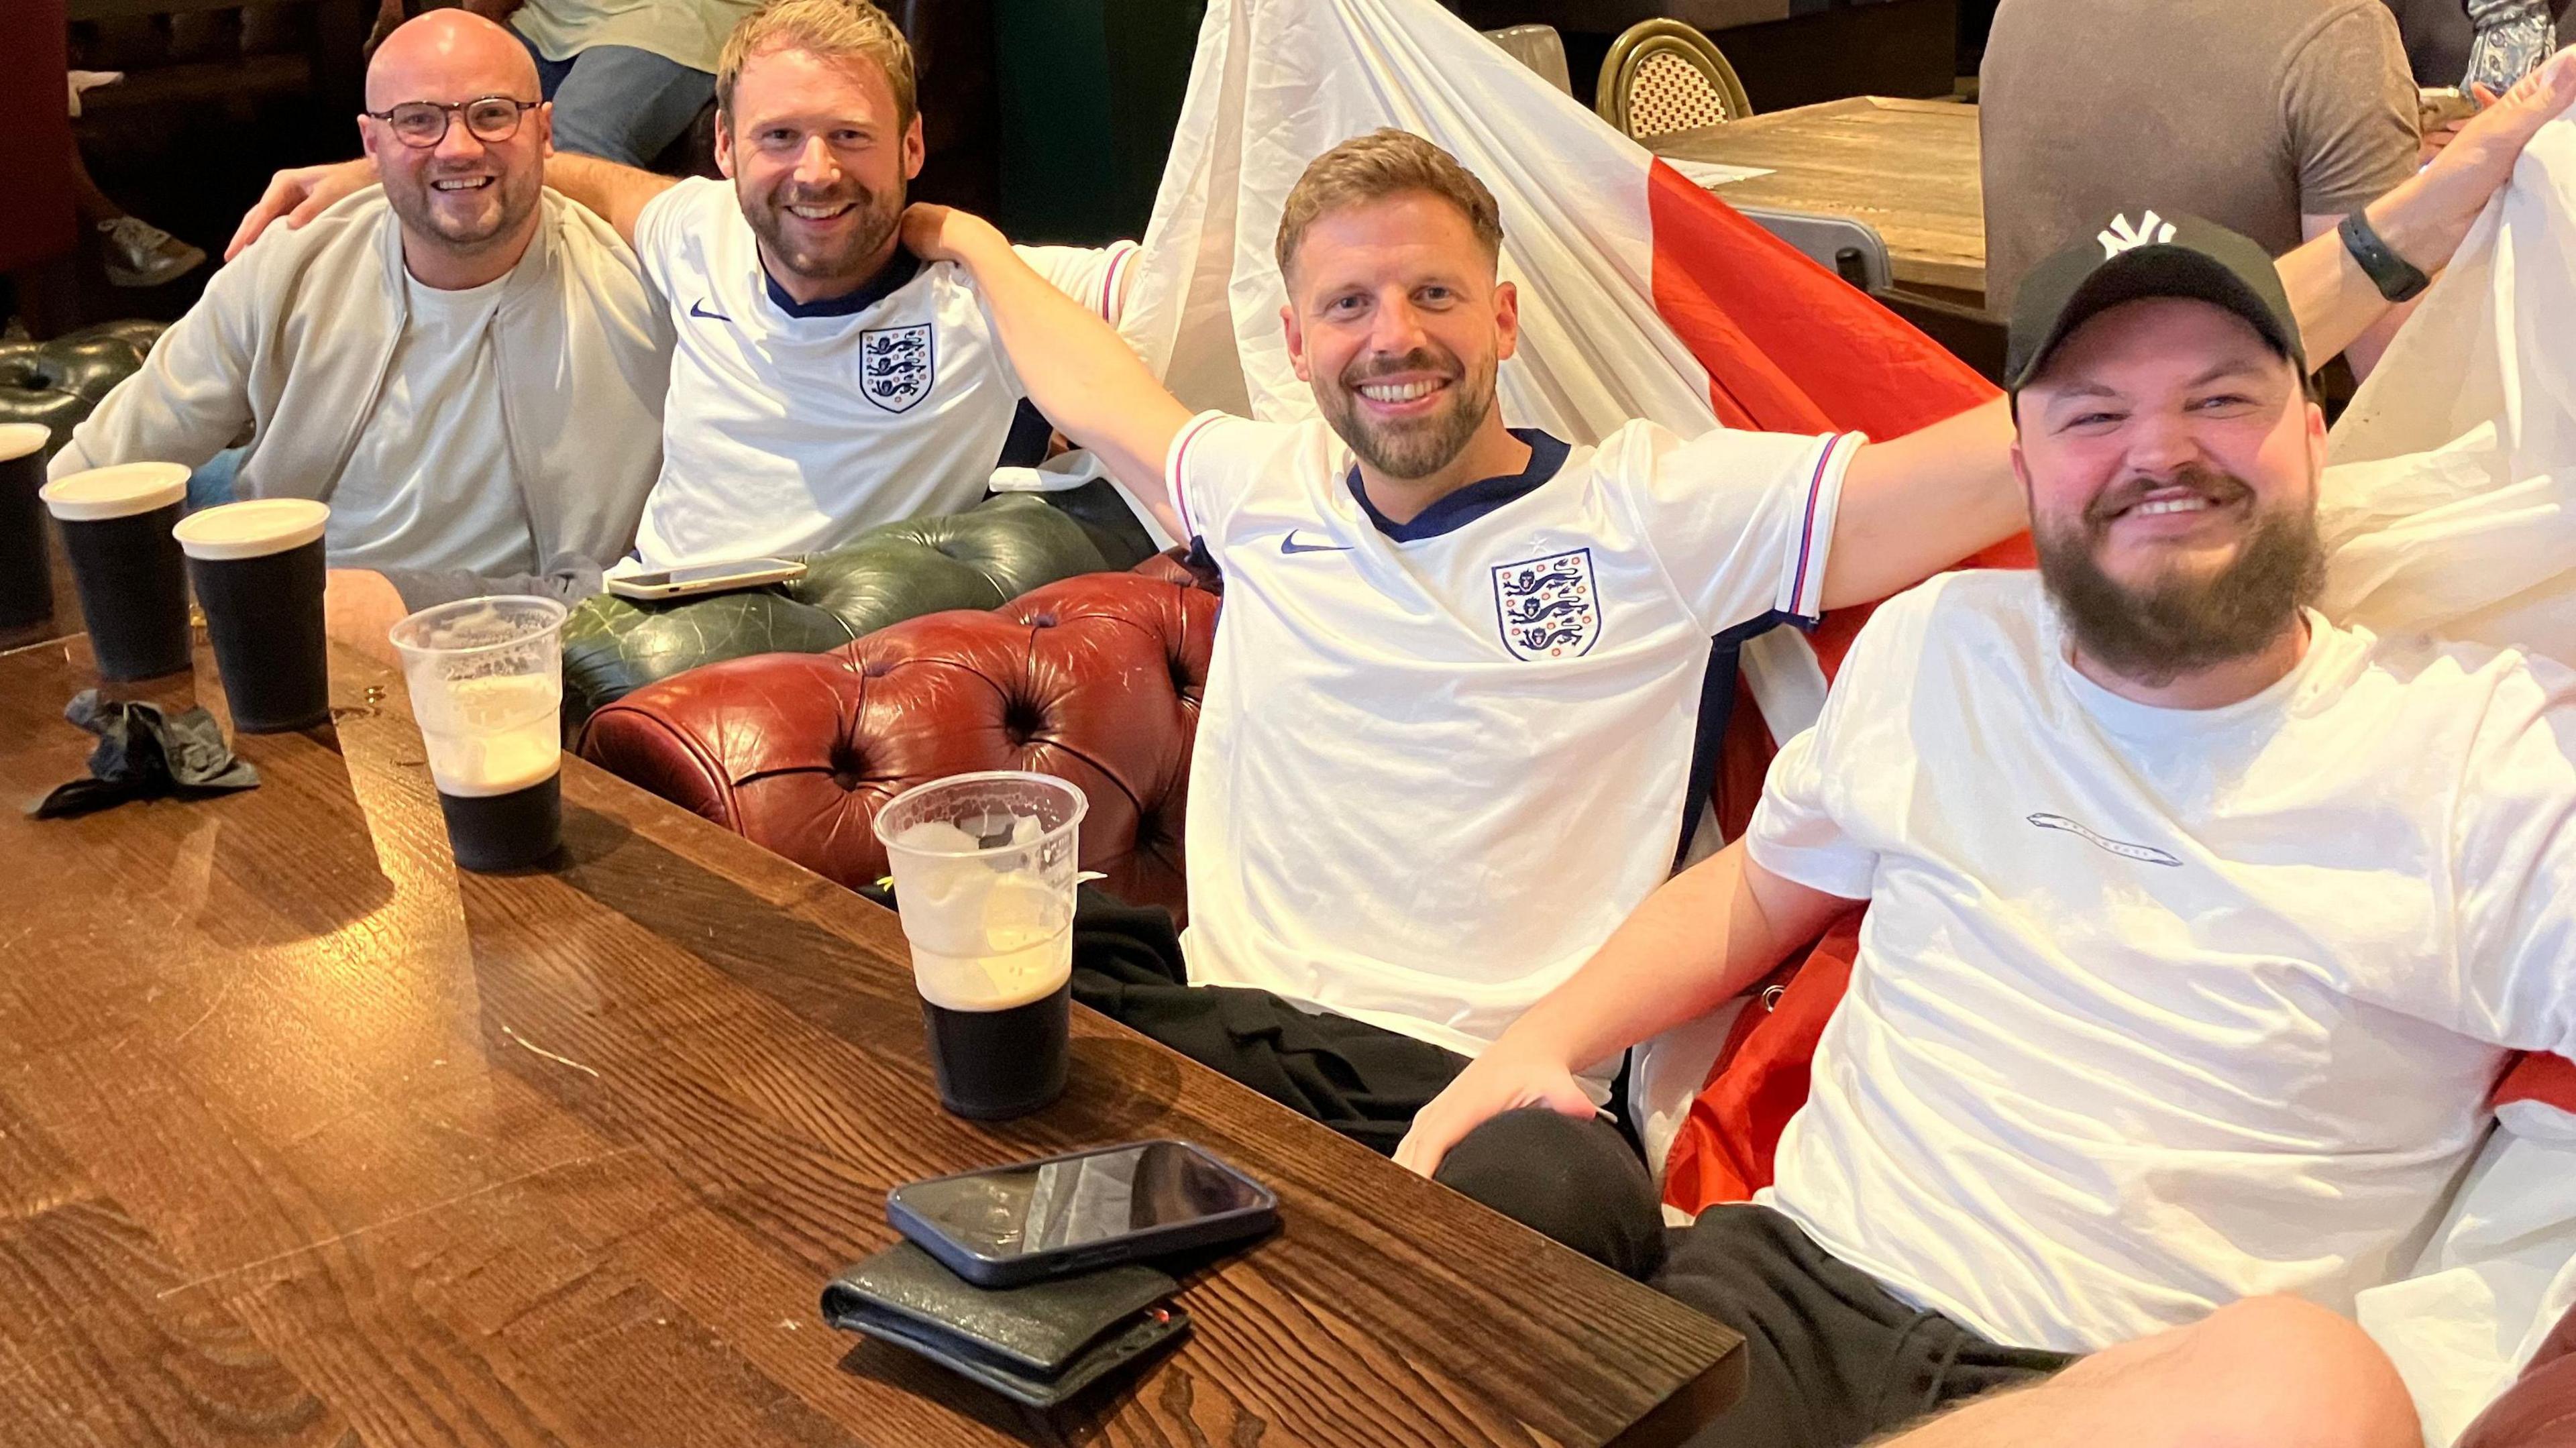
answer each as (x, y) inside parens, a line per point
(824, 380)
(1446, 739)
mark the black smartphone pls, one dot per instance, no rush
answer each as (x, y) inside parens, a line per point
(1009, 1225)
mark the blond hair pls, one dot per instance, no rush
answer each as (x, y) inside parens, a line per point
(835, 29)
(1385, 163)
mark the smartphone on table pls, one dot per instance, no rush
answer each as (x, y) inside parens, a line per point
(1009, 1225)
(707, 578)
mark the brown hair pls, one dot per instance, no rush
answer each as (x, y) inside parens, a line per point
(1384, 163)
(836, 29)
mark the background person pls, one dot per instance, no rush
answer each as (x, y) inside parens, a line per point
(466, 367)
(825, 380)
(2273, 118)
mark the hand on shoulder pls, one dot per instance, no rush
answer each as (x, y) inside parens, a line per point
(298, 195)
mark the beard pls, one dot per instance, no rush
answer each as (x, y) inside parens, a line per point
(506, 205)
(874, 217)
(1422, 446)
(2178, 622)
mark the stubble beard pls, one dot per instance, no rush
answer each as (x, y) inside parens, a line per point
(1416, 449)
(877, 217)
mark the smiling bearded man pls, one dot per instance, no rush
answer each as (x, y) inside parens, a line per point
(826, 379)
(468, 368)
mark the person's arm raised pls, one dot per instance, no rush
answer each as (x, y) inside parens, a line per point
(1078, 371)
(2426, 217)
(1705, 936)
(1920, 503)
(616, 194)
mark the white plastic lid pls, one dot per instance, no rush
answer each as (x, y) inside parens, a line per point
(251, 530)
(118, 492)
(17, 439)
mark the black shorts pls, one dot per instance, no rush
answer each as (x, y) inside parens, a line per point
(1835, 1359)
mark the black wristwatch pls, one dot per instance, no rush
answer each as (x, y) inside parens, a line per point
(2395, 276)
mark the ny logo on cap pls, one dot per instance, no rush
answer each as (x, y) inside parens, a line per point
(2124, 237)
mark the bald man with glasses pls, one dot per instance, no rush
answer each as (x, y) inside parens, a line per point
(468, 368)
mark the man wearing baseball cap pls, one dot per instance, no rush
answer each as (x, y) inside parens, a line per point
(2199, 928)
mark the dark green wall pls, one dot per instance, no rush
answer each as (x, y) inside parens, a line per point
(1090, 90)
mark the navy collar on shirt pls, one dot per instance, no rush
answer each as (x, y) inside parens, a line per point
(1475, 500)
(900, 268)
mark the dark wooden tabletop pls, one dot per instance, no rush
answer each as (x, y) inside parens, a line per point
(307, 1139)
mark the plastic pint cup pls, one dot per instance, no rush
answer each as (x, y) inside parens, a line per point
(259, 574)
(486, 682)
(132, 578)
(26, 568)
(984, 875)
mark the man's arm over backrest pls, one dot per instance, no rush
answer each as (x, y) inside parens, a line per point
(190, 399)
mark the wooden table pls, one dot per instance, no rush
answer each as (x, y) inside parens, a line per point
(1908, 168)
(306, 1139)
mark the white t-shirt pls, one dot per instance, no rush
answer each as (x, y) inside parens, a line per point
(789, 429)
(1438, 762)
(429, 485)
(2155, 1009)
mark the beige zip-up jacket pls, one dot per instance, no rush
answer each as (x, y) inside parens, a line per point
(294, 340)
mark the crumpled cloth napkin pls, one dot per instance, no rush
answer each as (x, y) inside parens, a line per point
(143, 753)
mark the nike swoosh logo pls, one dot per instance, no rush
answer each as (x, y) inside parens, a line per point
(1290, 545)
(2143, 854)
(699, 309)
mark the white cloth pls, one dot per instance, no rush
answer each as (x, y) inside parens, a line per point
(1438, 762)
(2156, 1009)
(429, 484)
(2450, 504)
(787, 434)
(2498, 1275)
(688, 32)
(2450, 507)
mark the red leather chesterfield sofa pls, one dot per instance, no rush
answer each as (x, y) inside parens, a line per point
(1095, 679)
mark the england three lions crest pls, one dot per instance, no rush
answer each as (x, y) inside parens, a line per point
(896, 366)
(1548, 606)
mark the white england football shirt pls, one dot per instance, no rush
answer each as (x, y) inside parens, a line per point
(1438, 762)
(791, 428)
(2157, 1008)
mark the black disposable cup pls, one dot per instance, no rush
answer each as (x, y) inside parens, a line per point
(508, 831)
(993, 1065)
(131, 576)
(259, 573)
(26, 569)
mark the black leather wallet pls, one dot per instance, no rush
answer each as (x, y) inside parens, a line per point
(1039, 1344)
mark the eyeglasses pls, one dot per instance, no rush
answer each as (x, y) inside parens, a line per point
(489, 119)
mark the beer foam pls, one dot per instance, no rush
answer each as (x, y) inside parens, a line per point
(254, 529)
(103, 494)
(1015, 930)
(17, 439)
(491, 735)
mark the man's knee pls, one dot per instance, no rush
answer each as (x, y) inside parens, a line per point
(2270, 1372)
(1574, 1179)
